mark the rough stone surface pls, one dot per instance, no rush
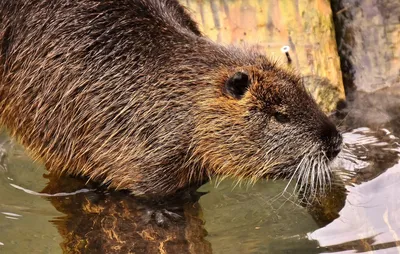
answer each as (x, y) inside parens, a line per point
(369, 42)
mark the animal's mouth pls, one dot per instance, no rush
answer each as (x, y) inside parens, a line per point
(310, 173)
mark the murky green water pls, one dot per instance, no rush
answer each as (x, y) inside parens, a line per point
(246, 219)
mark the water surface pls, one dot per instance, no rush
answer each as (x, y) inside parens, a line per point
(229, 218)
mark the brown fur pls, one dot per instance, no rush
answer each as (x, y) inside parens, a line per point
(130, 93)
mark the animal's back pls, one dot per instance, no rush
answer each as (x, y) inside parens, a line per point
(85, 83)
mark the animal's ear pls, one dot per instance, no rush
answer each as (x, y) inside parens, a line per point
(237, 85)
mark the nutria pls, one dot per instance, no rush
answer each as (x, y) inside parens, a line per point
(130, 93)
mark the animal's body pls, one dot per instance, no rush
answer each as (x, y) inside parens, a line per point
(129, 92)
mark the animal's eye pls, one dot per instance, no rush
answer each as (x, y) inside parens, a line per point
(281, 117)
(237, 85)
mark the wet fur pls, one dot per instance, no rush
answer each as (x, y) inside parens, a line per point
(130, 93)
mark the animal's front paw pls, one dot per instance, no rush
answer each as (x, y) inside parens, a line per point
(162, 217)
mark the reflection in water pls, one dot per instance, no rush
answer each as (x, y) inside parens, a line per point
(369, 219)
(369, 153)
(367, 215)
(114, 222)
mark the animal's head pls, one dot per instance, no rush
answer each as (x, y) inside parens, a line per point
(263, 123)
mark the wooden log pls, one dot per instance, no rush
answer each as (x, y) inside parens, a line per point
(306, 26)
